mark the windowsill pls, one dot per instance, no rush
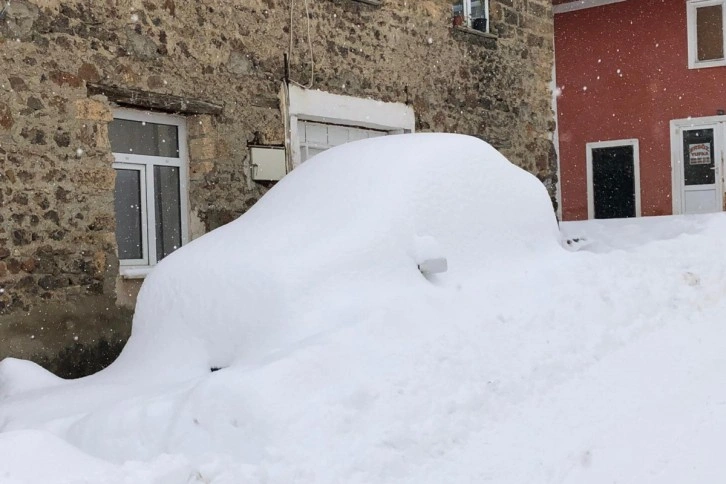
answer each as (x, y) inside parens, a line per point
(134, 272)
(707, 64)
(375, 3)
(469, 30)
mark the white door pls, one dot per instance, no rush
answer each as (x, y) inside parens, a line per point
(700, 168)
(318, 137)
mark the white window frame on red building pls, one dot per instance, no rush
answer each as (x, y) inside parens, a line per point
(692, 7)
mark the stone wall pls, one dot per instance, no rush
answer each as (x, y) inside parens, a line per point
(61, 295)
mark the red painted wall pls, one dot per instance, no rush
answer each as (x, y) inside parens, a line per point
(623, 71)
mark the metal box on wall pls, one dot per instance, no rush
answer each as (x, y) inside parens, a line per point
(268, 163)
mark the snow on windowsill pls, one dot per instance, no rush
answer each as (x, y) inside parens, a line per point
(134, 272)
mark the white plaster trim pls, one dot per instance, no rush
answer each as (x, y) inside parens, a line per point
(581, 5)
(556, 138)
(314, 105)
(636, 172)
(324, 107)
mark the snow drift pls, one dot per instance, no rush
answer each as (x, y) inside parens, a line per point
(522, 363)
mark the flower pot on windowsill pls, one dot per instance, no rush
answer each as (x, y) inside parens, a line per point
(458, 20)
(479, 24)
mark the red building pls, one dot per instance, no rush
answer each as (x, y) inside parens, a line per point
(640, 100)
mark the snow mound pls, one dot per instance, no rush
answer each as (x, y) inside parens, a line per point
(629, 233)
(344, 363)
(346, 220)
(20, 376)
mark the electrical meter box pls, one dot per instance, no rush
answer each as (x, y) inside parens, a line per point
(268, 163)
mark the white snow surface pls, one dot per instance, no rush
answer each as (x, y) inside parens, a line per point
(524, 362)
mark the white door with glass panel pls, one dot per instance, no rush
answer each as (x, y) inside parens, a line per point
(698, 184)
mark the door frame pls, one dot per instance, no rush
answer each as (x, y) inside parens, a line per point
(636, 171)
(719, 136)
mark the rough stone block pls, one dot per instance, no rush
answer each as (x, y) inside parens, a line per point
(20, 16)
(200, 126)
(199, 169)
(92, 109)
(201, 149)
(63, 78)
(6, 116)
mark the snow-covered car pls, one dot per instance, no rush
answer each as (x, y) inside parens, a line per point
(342, 232)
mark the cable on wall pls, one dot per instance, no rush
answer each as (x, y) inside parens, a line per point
(310, 43)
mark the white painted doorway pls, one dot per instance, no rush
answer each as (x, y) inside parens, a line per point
(613, 179)
(697, 161)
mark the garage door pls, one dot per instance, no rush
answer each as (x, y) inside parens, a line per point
(318, 137)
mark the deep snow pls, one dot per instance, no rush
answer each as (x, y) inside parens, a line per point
(525, 362)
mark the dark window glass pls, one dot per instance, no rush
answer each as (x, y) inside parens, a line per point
(477, 9)
(698, 159)
(613, 180)
(167, 204)
(143, 138)
(709, 32)
(128, 214)
(457, 7)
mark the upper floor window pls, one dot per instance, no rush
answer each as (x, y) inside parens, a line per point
(706, 27)
(151, 187)
(473, 14)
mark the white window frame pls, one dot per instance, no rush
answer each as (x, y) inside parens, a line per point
(692, 6)
(636, 172)
(468, 19)
(323, 107)
(139, 268)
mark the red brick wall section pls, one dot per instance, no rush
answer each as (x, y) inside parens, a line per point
(623, 71)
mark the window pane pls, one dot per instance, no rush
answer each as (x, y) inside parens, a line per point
(698, 159)
(128, 214)
(143, 138)
(477, 9)
(457, 7)
(168, 210)
(709, 30)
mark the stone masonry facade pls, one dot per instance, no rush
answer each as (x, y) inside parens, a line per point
(62, 301)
